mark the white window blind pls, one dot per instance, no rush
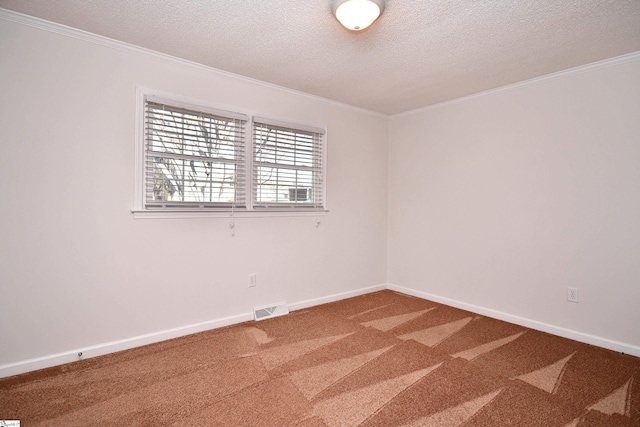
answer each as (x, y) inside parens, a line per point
(287, 166)
(193, 159)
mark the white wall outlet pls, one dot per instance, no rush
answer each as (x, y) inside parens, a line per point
(252, 280)
(572, 294)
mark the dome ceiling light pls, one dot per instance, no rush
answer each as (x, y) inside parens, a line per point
(357, 15)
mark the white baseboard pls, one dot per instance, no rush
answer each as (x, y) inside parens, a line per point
(336, 297)
(522, 321)
(126, 344)
(48, 361)
(114, 346)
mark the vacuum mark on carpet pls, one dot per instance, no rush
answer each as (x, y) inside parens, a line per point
(616, 402)
(388, 323)
(274, 357)
(454, 417)
(434, 336)
(311, 381)
(368, 311)
(474, 352)
(352, 408)
(549, 377)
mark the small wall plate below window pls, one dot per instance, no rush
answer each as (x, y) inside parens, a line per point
(273, 310)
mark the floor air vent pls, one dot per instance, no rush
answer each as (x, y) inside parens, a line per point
(274, 310)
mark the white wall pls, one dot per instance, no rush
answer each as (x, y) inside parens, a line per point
(77, 270)
(501, 201)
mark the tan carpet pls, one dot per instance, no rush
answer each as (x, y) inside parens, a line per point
(383, 359)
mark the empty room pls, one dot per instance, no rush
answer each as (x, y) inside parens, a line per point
(320, 213)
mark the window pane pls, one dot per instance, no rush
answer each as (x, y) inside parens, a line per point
(280, 185)
(193, 157)
(287, 166)
(284, 147)
(179, 180)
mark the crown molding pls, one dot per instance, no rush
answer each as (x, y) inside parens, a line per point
(107, 42)
(617, 60)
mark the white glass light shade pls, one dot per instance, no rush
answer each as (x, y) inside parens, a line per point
(357, 14)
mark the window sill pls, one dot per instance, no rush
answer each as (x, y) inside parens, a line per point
(197, 213)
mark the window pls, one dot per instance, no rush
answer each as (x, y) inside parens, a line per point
(194, 159)
(287, 166)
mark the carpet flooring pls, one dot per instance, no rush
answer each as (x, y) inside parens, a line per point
(381, 359)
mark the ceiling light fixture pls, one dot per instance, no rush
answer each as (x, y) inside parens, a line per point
(357, 15)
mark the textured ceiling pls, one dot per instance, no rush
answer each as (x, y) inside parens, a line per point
(418, 53)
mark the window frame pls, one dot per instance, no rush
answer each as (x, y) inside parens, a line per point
(318, 159)
(140, 210)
